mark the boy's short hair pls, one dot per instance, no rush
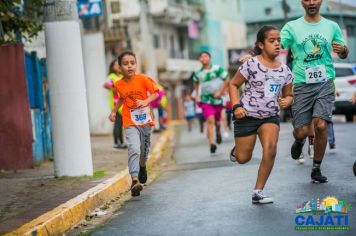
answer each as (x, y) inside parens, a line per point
(125, 53)
(205, 52)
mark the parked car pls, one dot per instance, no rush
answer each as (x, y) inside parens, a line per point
(345, 83)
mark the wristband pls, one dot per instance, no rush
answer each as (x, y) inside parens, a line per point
(234, 107)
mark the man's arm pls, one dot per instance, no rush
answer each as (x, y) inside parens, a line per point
(338, 43)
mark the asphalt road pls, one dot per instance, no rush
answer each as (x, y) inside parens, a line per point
(208, 195)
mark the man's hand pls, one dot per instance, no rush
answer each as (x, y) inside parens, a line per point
(338, 48)
(240, 113)
(285, 102)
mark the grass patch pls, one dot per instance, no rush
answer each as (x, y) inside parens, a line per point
(98, 174)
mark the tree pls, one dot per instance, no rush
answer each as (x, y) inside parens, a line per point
(20, 18)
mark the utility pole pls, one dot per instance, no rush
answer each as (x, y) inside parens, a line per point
(342, 23)
(286, 9)
(70, 124)
(149, 56)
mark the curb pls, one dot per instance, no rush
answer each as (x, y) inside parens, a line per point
(63, 217)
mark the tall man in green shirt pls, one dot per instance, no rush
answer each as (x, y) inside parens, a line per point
(312, 39)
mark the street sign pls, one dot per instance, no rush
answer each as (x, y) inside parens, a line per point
(90, 8)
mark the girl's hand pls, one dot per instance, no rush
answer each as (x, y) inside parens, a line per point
(141, 103)
(285, 102)
(112, 116)
(240, 113)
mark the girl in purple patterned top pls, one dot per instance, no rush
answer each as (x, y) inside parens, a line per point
(268, 87)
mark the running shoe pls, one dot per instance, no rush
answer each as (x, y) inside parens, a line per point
(296, 150)
(332, 146)
(260, 198)
(119, 146)
(136, 188)
(301, 159)
(355, 168)
(317, 177)
(213, 148)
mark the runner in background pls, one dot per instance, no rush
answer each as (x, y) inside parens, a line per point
(189, 111)
(113, 76)
(212, 81)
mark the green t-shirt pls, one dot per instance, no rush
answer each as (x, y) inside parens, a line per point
(311, 47)
(210, 82)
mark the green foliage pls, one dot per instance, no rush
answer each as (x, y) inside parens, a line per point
(99, 174)
(21, 19)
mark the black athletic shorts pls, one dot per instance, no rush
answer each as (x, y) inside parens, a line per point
(249, 125)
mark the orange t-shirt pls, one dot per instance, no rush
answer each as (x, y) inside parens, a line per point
(139, 87)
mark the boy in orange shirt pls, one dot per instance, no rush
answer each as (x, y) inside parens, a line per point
(136, 91)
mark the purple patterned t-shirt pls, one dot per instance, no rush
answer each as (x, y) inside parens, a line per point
(263, 87)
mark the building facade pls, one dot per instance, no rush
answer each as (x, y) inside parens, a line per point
(162, 38)
(273, 12)
(223, 28)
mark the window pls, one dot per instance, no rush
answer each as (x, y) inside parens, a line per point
(350, 30)
(156, 41)
(172, 46)
(165, 41)
(181, 43)
(268, 11)
(115, 7)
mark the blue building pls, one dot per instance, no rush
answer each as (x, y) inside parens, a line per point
(222, 28)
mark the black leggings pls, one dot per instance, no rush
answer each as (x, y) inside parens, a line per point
(118, 131)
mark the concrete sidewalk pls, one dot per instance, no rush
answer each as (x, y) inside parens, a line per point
(32, 200)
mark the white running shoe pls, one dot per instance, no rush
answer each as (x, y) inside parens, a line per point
(311, 151)
(260, 198)
(301, 159)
